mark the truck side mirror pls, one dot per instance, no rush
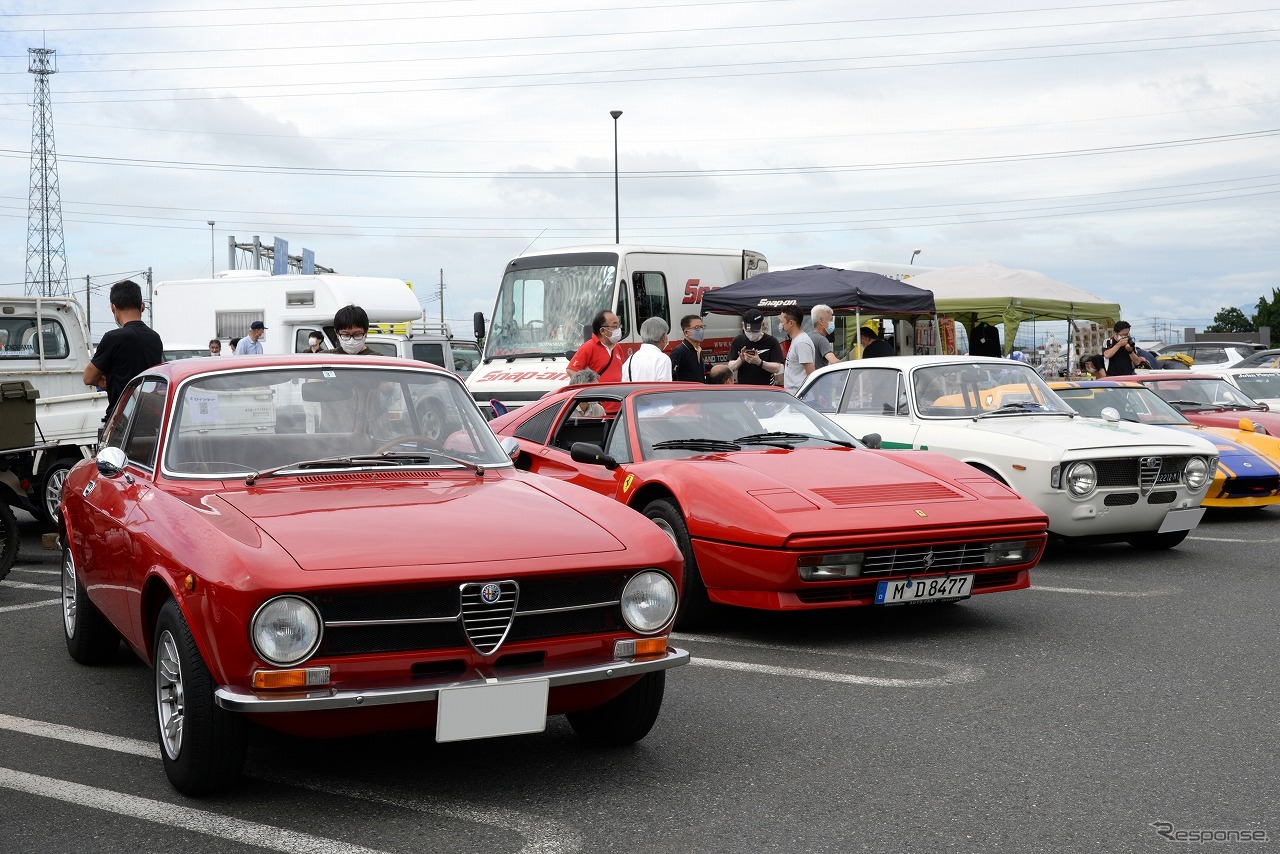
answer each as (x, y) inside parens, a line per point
(477, 325)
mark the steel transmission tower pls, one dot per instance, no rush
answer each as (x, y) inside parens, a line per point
(46, 251)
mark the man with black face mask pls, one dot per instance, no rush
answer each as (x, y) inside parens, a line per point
(755, 354)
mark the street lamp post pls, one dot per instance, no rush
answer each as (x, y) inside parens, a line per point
(617, 222)
(914, 253)
(213, 265)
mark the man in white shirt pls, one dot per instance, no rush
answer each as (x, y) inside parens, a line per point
(649, 363)
(801, 357)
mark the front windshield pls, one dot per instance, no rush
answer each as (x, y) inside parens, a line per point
(678, 424)
(974, 389)
(1195, 394)
(1131, 403)
(544, 310)
(1260, 386)
(238, 422)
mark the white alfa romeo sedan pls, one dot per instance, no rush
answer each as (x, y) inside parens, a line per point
(1096, 480)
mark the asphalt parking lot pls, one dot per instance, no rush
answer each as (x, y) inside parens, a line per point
(1126, 698)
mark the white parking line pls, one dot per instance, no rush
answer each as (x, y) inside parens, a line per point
(541, 836)
(38, 571)
(41, 604)
(1126, 594)
(27, 585)
(953, 674)
(1234, 540)
(174, 815)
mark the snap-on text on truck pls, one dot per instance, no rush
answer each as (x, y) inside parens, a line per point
(547, 299)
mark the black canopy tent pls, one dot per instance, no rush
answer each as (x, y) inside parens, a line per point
(846, 291)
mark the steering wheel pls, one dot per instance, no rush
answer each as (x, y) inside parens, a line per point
(404, 440)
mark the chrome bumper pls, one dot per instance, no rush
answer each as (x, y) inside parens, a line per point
(237, 699)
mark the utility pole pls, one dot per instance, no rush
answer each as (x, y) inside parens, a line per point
(442, 296)
(88, 312)
(46, 250)
(150, 318)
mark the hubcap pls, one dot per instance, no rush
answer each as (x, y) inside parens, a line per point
(171, 703)
(666, 529)
(69, 594)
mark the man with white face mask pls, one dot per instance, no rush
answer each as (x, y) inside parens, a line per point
(824, 323)
(601, 353)
(755, 354)
(351, 324)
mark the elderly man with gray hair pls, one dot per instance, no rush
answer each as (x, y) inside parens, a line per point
(824, 323)
(649, 363)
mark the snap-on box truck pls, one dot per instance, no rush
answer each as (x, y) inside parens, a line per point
(546, 301)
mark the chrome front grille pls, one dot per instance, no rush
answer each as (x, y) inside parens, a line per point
(1141, 472)
(486, 623)
(1148, 473)
(914, 561)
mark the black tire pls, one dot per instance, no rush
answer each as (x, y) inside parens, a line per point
(90, 638)
(49, 491)
(203, 746)
(8, 538)
(1158, 542)
(695, 606)
(626, 718)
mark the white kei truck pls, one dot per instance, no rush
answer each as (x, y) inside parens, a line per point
(547, 299)
(49, 419)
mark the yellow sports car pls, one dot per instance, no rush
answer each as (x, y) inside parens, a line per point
(1248, 473)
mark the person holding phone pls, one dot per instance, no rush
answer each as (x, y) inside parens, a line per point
(754, 354)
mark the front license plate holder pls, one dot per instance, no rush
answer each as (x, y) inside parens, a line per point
(932, 588)
(1181, 520)
(487, 711)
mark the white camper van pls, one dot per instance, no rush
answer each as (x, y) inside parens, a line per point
(547, 299)
(188, 313)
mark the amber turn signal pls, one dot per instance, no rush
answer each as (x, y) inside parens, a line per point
(306, 677)
(640, 647)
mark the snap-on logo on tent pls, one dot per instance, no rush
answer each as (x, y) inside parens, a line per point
(774, 303)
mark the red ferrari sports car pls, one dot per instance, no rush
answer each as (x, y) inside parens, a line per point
(1211, 401)
(776, 507)
(279, 538)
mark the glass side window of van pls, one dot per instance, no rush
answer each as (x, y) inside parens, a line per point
(622, 310)
(651, 296)
(19, 339)
(433, 353)
(300, 342)
(466, 358)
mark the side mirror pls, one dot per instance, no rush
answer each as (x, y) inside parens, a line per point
(1246, 425)
(477, 325)
(111, 461)
(510, 447)
(1109, 413)
(871, 440)
(585, 452)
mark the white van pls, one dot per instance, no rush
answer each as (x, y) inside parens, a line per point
(546, 302)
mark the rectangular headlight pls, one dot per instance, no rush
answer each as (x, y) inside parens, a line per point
(826, 567)
(1017, 551)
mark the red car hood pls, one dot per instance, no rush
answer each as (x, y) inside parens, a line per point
(355, 525)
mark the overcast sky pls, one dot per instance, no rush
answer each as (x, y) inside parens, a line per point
(1127, 148)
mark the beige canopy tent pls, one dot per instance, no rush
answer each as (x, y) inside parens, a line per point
(994, 294)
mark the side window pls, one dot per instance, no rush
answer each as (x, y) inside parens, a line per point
(585, 421)
(619, 448)
(623, 311)
(144, 429)
(466, 358)
(300, 337)
(433, 353)
(826, 391)
(537, 427)
(118, 426)
(1210, 356)
(382, 348)
(650, 291)
(876, 392)
(21, 340)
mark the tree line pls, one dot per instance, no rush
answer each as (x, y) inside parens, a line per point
(1232, 319)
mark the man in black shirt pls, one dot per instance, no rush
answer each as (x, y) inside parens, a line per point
(1122, 353)
(126, 352)
(873, 346)
(755, 354)
(686, 359)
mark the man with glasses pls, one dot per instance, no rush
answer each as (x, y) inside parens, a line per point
(687, 365)
(351, 324)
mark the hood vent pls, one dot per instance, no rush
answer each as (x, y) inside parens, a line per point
(890, 493)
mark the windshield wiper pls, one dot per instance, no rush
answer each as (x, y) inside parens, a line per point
(697, 445)
(1022, 406)
(1200, 404)
(783, 439)
(386, 458)
(1236, 406)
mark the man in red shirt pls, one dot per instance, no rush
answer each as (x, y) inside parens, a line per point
(601, 354)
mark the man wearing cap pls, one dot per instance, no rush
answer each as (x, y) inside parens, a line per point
(251, 344)
(755, 354)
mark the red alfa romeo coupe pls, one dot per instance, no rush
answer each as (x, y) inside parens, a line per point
(776, 507)
(278, 538)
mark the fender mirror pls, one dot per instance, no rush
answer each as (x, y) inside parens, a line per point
(871, 440)
(111, 461)
(1109, 413)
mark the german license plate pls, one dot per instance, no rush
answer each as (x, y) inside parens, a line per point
(924, 589)
(487, 711)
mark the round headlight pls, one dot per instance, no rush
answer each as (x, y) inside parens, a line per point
(1196, 473)
(1082, 478)
(648, 601)
(286, 630)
